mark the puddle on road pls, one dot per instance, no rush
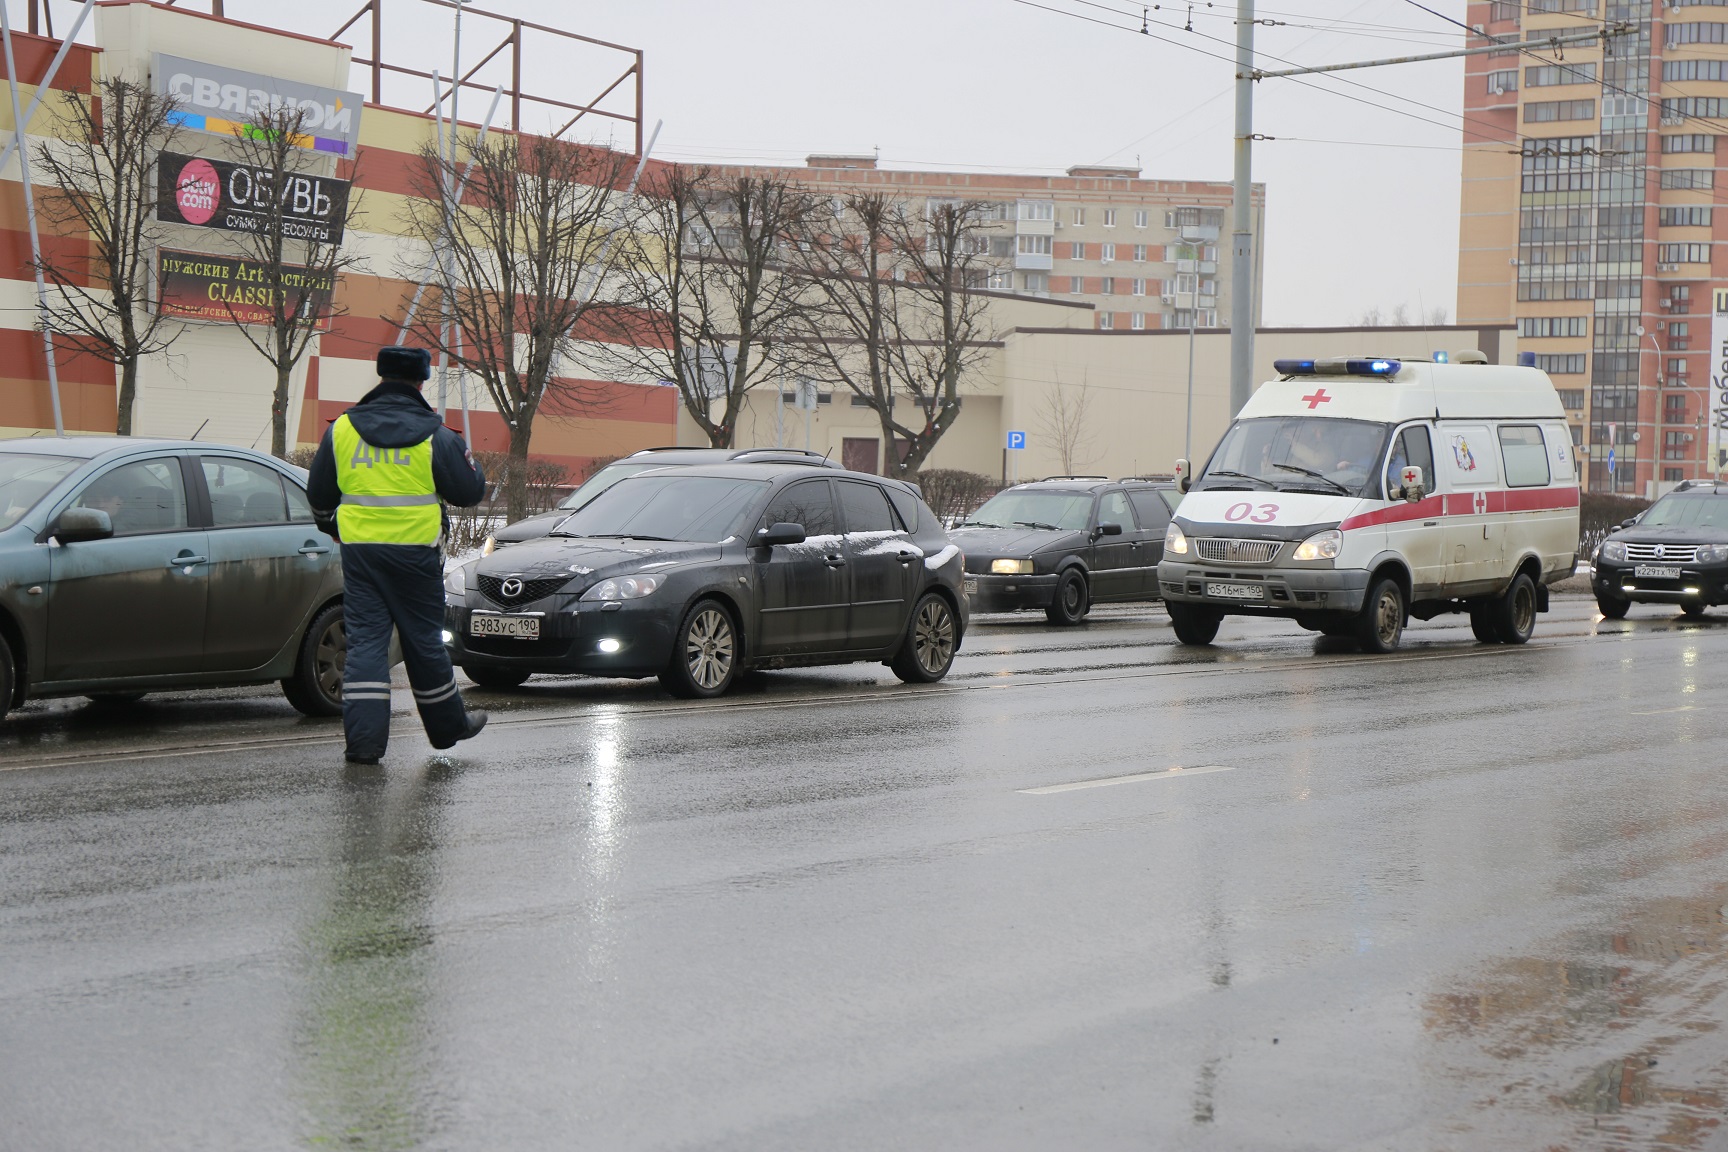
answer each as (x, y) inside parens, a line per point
(1617, 1035)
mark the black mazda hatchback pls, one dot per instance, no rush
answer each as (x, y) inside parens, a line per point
(1674, 552)
(696, 574)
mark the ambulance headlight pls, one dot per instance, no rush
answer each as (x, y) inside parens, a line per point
(456, 584)
(1324, 546)
(1175, 541)
(1613, 550)
(625, 588)
(1712, 553)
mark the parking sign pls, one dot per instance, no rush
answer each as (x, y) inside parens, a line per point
(1016, 440)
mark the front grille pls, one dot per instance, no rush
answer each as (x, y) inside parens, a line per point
(1238, 551)
(1666, 553)
(492, 587)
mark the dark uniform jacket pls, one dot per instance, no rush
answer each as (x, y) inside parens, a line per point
(395, 415)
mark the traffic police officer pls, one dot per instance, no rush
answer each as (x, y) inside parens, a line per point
(381, 469)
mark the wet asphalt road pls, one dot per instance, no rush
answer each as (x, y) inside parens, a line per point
(1461, 897)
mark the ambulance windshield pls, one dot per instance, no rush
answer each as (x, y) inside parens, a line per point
(1299, 453)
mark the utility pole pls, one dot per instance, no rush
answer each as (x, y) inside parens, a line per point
(1241, 235)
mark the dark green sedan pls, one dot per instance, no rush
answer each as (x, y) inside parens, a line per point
(131, 566)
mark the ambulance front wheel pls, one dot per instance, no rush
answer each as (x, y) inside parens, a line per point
(1514, 614)
(1193, 623)
(1381, 624)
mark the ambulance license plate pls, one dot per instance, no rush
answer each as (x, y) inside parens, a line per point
(1657, 571)
(970, 587)
(514, 627)
(1236, 591)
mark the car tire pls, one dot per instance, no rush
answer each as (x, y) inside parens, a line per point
(932, 639)
(1612, 607)
(315, 688)
(497, 679)
(1482, 623)
(1070, 603)
(1194, 624)
(1693, 609)
(1514, 614)
(8, 677)
(705, 652)
(1380, 625)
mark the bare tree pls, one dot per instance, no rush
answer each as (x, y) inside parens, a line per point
(899, 314)
(1371, 318)
(709, 252)
(1437, 316)
(103, 161)
(1064, 418)
(291, 262)
(526, 252)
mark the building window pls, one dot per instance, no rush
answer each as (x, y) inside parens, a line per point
(1106, 320)
(1109, 286)
(1139, 287)
(1109, 217)
(1139, 217)
(1503, 81)
(1677, 369)
(1688, 178)
(1684, 216)
(1588, 6)
(1563, 364)
(1548, 111)
(1034, 245)
(1696, 107)
(1674, 71)
(1140, 253)
(1697, 32)
(1186, 281)
(1681, 328)
(1076, 285)
(1107, 253)
(1035, 282)
(1037, 210)
(1673, 408)
(1680, 292)
(1077, 251)
(1682, 253)
(1547, 75)
(1540, 327)
(1079, 217)
(1571, 399)
(1137, 321)
(1500, 10)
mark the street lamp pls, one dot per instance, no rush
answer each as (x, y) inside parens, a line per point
(1659, 453)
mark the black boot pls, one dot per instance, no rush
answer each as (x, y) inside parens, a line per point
(476, 720)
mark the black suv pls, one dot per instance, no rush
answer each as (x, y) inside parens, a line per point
(1065, 543)
(534, 527)
(1674, 552)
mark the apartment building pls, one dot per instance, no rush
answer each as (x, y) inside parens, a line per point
(1590, 181)
(1145, 254)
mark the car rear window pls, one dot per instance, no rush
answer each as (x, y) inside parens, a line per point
(907, 505)
(25, 478)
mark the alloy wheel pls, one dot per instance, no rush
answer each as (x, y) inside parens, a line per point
(709, 648)
(330, 658)
(933, 636)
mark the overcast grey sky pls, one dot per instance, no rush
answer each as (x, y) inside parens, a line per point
(1362, 200)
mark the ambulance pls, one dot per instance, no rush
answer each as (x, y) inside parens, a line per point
(1353, 493)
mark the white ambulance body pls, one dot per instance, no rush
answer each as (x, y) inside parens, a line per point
(1353, 493)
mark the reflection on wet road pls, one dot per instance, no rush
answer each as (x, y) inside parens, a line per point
(1460, 897)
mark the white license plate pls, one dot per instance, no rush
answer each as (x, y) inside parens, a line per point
(1236, 591)
(1658, 571)
(971, 586)
(516, 627)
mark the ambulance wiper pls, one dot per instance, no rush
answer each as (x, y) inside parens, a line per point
(1241, 475)
(1342, 491)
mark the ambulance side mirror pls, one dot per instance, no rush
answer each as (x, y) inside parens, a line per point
(1182, 478)
(1411, 480)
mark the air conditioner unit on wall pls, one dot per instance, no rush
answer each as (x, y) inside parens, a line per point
(1167, 299)
(1667, 267)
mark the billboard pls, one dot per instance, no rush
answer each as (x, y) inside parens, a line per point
(220, 100)
(210, 193)
(203, 286)
(1718, 376)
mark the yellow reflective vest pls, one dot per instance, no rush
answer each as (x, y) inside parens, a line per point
(388, 496)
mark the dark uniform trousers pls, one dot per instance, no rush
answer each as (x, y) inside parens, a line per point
(400, 585)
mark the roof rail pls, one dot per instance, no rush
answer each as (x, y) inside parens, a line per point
(1068, 478)
(1164, 477)
(785, 451)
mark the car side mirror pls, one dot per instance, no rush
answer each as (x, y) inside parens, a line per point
(1413, 489)
(79, 524)
(780, 533)
(1110, 529)
(1629, 521)
(1182, 478)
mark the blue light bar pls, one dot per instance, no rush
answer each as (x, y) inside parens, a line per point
(1526, 359)
(1337, 366)
(1441, 358)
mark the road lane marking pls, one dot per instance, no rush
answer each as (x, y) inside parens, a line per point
(1665, 711)
(1135, 778)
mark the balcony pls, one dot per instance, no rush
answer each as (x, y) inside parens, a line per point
(1033, 261)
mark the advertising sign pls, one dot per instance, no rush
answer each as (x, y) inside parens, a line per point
(1718, 375)
(220, 100)
(210, 193)
(202, 286)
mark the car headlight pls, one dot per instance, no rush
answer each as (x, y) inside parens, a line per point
(1613, 550)
(1011, 567)
(1713, 553)
(489, 545)
(1322, 546)
(1175, 541)
(625, 587)
(456, 583)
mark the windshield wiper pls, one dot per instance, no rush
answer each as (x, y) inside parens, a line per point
(978, 524)
(625, 536)
(1342, 490)
(1241, 475)
(1038, 525)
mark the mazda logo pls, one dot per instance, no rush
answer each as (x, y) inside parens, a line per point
(511, 588)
